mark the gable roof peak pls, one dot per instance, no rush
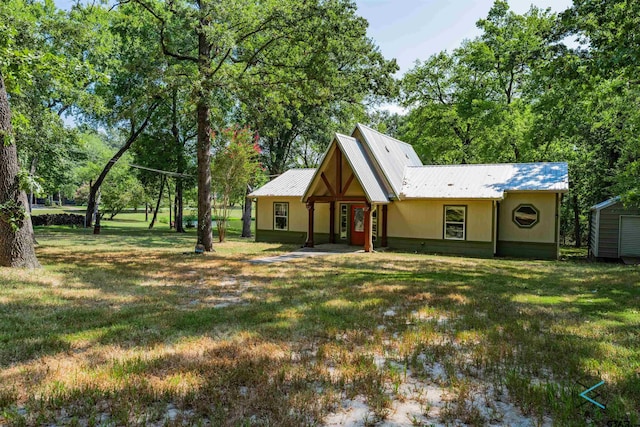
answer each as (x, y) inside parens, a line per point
(360, 163)
(370, 129)
(390, 155)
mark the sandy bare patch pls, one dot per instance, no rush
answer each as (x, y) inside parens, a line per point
(421, 402)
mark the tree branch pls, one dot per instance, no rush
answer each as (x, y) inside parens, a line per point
(165, 49)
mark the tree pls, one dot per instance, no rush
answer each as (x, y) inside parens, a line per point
(62, 48)
(470, 106)
(235, 164)
(607, 56)
(337, 70)
(137, 86)
(16, 232)
(120, 190)
(386, 122)
(585, 104)
(230, 46)
(168, 146)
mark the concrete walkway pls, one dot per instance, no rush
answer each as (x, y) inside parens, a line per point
(319, 250)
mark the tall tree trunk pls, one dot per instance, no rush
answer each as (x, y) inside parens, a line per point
(32, 172)
(179, 207)
(96, 213)
(132, 138)
(178, 204)
(576, 220)
(175, 207)
(170, 207)
(16, 238)
(155, 214)
(205, 235)
(246, 215)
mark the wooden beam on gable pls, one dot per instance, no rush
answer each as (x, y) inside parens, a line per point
(326, 182)
(327, 199)
(339, 170)
(347, 184)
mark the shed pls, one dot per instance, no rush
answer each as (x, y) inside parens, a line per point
(614, 230)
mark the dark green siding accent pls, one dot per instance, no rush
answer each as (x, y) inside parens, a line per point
(528, 250)
(454, 247)
(278, 236)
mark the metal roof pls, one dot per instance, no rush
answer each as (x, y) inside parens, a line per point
(386, 167)
(292, 183)
(392, 155)
(363, 168)
(483, 181)
(605, 204)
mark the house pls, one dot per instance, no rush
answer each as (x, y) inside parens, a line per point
(614, 230)
(371, 190)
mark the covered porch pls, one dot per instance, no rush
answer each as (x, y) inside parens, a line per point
(354, 217)
(357, 223)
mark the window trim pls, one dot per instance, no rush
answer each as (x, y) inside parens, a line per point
(344, 221)
(522, 205)
(280, 216)
(374, 223)
(445, 222)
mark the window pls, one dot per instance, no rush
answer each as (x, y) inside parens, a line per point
(343, 221)
(525, 216)
(358, 220)
(454, 222)
(374, 224)
(281, 216)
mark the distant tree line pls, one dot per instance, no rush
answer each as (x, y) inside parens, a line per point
(537, 87)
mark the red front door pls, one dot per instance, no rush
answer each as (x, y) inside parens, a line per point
(357, 225)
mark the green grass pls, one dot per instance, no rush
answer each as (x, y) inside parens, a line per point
(134, 222)
(125, 327)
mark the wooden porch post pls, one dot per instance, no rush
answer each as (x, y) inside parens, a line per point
(383, 239)
(309, 242)
(332, 222)
(367, 228)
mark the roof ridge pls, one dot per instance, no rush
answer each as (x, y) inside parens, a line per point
(384, 134)
(344, 135)
(485, 164)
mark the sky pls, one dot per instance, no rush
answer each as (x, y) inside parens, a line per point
(416, 29)
(409, 30)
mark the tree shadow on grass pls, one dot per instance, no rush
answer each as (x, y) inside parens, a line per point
(530, 317)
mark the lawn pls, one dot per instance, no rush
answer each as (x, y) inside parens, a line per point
(131, 328)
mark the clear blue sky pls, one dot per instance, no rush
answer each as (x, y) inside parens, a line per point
(415, 29)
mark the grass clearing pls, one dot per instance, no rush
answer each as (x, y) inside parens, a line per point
(130, 328)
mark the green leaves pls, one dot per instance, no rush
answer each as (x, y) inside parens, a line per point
(121, 189)
(309, 74)
(234, 166)
(13, 214)
(471, 105)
